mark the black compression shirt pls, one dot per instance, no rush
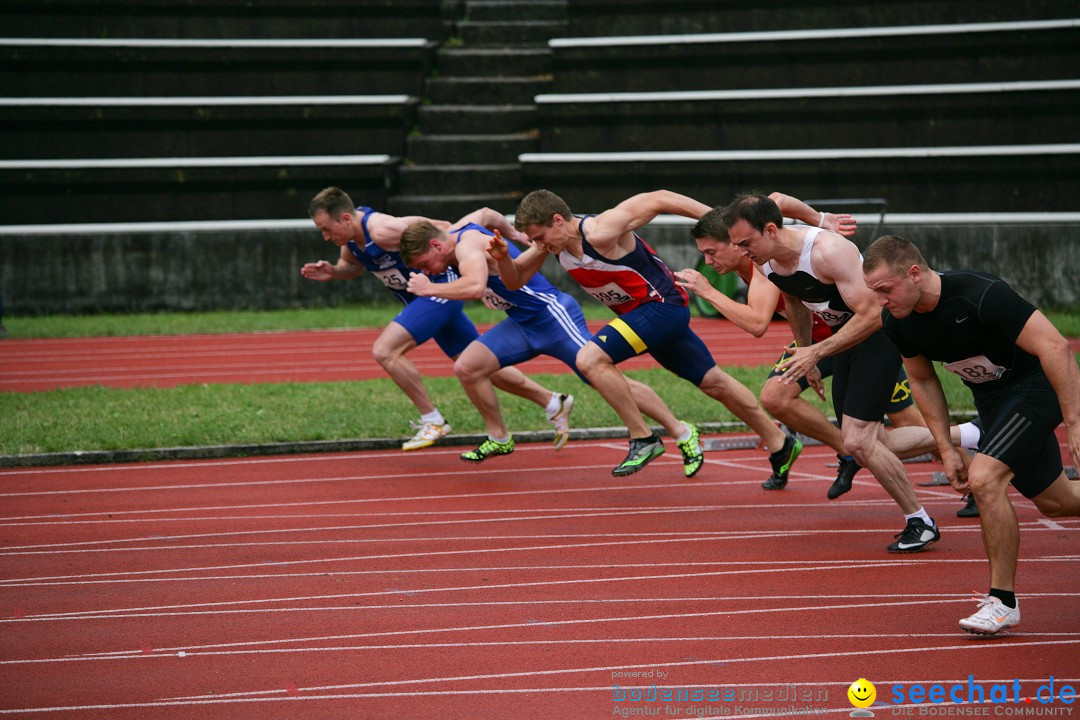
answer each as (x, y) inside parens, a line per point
(972, 330)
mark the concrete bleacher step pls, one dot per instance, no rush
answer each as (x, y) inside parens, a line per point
(512, 61)
(463, 119)
(225, 18)
(163, 67)
(995, 178)
(204, 126)
(457, 179)
(486, 90)
(916, 115)
(510, 33)
(451, 207)
(495, 10)
(895, 55)
(175, 189)
(644, 17)
(427, 149)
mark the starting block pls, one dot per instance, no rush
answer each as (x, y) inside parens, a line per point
(938, 478)
(726, 443)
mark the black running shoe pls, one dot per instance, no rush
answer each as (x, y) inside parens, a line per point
(844, 475)
(970, 509)
(642, 452)
(781, 462)
(916, 536)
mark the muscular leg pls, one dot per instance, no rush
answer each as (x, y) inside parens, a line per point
(1061, 499)
(785, 404)
(989, 479)
(913, 440)
(738, 398)
(608, 380)
(651, 405)
(908, 417)
(474, 368)
(515, 382)
(389, 351)
(861, 441)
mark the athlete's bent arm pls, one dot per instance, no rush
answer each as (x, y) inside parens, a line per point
(837, 260)
(753, 317)
(493, 220)
(608, 227)
(930, 397)
(844, 268)
(472, 272)
(515, 273)
(386, 229)
(796, 209)
(1043, 340)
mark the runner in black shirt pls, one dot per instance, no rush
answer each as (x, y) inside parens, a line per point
(1023, 377)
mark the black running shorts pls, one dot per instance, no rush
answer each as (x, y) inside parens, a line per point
(1019, 431)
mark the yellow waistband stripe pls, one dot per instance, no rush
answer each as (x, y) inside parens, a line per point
(619, 326)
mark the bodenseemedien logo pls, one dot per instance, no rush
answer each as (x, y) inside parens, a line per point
(861, 695)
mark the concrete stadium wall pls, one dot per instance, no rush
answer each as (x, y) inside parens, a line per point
(260, 268)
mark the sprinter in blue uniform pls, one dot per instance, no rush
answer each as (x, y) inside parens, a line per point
(541, 320)
(369, 240)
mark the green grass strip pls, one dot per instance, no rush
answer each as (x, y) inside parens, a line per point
(98, 418)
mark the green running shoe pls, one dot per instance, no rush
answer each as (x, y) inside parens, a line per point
(693, 455)
(488, 448)
(641, 453)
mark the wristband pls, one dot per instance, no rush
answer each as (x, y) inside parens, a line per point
(821, 220)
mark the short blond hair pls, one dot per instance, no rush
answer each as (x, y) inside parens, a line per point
(416, 240)
(894, 252)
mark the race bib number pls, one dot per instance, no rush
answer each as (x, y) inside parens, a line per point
(976, 369)
(610, 294)
(828, 315)
(492, 300)
(392, 278)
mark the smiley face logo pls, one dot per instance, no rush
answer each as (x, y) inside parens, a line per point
(862, 693)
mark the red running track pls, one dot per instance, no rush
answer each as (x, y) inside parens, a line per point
(309, 356)
(391, 585)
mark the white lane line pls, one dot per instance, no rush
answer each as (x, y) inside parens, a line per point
(18, 582)
(433, 475)
(115, 614)
(77, 546)
(540, 601)
(107, 516)
(517, 643)
(117, 576)
(406, 571)
(187, 466)
(733, 536)
(411, 592)
(531, 625)
(609, 668)
(84, 546)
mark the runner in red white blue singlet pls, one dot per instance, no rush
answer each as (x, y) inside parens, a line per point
(604, 254)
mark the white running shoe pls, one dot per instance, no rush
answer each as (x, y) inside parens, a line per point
(427, 434)
(561, 421)
(992, 617)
